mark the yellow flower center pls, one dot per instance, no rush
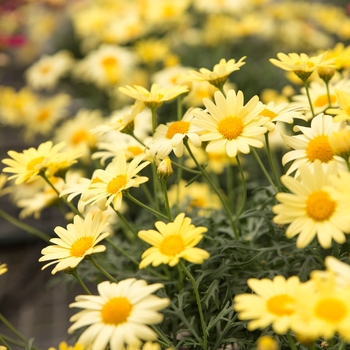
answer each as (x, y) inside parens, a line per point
(116, 311)
(230, 127)
(177, 128)
(319, 148)
(322, 100)
(110, 65)
(280, 305)
(268, 113)
(135, 150)
(320, 206)
(347, 110)
(82, 136)
(45, 69)
(109, 62)
(331, 310)
(198, 202)
(172, 245)
(81, 246)
(116, 184)
(32, 165)
(43, 115)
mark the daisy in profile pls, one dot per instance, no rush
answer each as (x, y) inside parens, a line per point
(313, 208)
(3, 269)
(155, 97)
(302, 65)
(230, 123)
(76, 242)
(110, 183)
(343, 112)
(119, 316)
(47, 158)
(340, 269)
(312, 144)
(48, 70)
(172, 242)
(325, 310)
(170, 137)
(281, 112)
(321, 99)
(219, 74)
(272, 304)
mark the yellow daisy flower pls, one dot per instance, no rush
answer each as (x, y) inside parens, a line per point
(119, 315)
(155, 97)
(64, 346)
(230, 123)
(170, 137)
(313, 208)
(340, 269)
(342, 113)
(219, 74)
(325, 311)
(340, 142)
(47, 71)
(273, 304)
(313, 144)
(46, 158)
(3, 269)
(172, 242)
(302, 65)
(110, 183)
(76, 242)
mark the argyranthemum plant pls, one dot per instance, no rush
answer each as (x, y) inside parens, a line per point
(120, 315)
(172, 242)
(77, 241)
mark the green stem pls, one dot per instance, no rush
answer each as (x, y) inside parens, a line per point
(74, 272)
(342, 345)
(211, 183)
(138, 140)
(241, 208)
(306, 85)
(199, 304)
(155, 212)
(291, 342)
(164, 340)
(154, 120)
(166, 199)
(179, 106)
(229, 184)
(128, 226)
(24, 226)
(155, 186)
(179, 165)
(63, 199)
(12, 328)
(262, 166)
(272, 163)
(2, 341)
(101, 269)
(328, 94)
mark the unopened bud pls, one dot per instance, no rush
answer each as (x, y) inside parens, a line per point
(266, 342)
(326, 73)
(165, 169)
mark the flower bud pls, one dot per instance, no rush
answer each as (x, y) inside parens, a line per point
(266, 342)
(165, 169)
